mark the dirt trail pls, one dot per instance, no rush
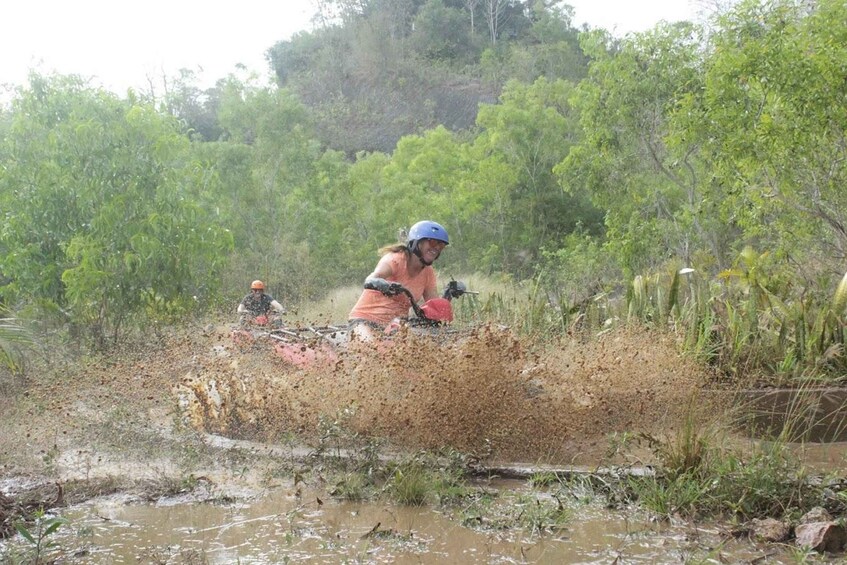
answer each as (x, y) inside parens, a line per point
(487, 394)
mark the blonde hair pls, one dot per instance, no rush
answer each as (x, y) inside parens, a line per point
(395, 248)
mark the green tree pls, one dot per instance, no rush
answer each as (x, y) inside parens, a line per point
(771, 119)
(194, 107)
(366, 226)
(432, 176)
(653, 191)
(286, 204)
(531, 130)
(440, 33)
(124, 224)
(423, 181)
(551, 47)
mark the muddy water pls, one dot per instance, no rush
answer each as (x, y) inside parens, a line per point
(490, 396)
(287, 527)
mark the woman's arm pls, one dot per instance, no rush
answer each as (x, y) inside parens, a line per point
(431, 290)
(383, 270)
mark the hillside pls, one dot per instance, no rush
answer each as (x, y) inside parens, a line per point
(376, 73)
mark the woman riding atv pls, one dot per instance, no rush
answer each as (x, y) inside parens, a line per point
(407, 266)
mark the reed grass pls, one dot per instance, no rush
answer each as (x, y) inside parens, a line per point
(737, 324)
(701, 477)
(702, 469)
(15, 340)
(411, 485)
(743, 321)
(423, 478)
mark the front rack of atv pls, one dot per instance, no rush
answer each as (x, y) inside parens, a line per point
(307, 333)
(339, 334)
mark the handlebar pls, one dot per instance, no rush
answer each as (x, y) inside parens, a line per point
(397, 288)
(454, 289)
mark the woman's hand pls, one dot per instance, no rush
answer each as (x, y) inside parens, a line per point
(385, 287)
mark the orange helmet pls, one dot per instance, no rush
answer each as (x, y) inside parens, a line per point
(257, 285)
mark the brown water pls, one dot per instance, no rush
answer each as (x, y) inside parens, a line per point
(283, 527)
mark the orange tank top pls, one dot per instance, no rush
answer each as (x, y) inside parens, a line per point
(376, 307)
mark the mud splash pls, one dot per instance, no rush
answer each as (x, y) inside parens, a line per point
(489, 393)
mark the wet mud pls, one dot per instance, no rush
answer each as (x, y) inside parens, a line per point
(486, 393)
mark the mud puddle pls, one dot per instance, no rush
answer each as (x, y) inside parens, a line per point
(490, 397)
(297, 525)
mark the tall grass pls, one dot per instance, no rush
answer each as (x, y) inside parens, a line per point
(744, 321)
(15, 340)
(699, 474)
(739, 324)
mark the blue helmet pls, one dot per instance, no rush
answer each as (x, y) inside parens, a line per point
(427, 230)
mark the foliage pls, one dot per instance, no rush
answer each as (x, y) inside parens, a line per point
(530, 131)
(410, 485)
(425, 477)
(591, 188)
(439, 32)
(539, 516)
(39, 539)
(697, 476)
(279, 190)
(373, 72)
(127, 228)
(625, 163)
(577, 273)
(14, 339)
(536, 514)
(770, 122)
(415, 480)
(195, 108)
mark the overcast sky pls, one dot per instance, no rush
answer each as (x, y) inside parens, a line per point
(121, 44)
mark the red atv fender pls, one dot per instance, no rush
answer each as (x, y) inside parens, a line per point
(438, 310)
(306, 356)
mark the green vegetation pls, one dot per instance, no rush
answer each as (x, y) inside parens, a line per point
(689, 178)
(14, 340)
(698, 475)
(39, 538)
(695, 473)
(442, 479)
(360, 473)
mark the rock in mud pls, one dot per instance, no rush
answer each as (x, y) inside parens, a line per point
(818, 531)
(823, 537)
(816, 514)
(769, 530)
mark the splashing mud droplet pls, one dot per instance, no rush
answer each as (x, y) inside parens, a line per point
(488, 391)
